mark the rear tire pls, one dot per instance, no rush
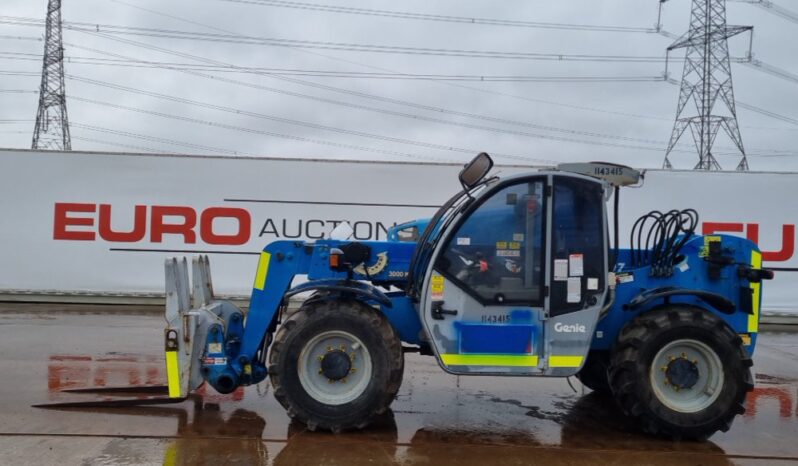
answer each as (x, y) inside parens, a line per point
(681, 372)
(594, 374)
(335, 365)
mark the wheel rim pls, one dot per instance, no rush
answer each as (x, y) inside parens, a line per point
(334, 367)
(686, 376)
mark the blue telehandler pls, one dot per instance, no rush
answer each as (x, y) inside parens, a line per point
(512, 276)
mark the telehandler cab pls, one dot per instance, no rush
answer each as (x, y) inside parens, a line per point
(511, 277)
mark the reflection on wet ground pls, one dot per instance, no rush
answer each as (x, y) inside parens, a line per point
(437, 418)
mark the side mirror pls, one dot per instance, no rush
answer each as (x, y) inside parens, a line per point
(475, 170)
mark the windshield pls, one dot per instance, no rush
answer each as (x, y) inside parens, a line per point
(426, 245)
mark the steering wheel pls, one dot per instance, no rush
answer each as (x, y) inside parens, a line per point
(470, 260)
(470, 266)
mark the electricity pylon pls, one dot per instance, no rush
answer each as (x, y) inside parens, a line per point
(52, 125)
(706, 79)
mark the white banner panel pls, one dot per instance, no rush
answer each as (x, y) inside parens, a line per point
(103, 223)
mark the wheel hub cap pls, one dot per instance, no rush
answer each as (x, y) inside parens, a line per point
(686, 375)
(682, 373)
(336, 365)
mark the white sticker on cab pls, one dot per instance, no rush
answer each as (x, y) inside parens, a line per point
(592, 283)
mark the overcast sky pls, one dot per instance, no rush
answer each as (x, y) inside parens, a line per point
(258, 113)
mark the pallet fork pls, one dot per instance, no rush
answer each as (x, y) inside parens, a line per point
(182, 347)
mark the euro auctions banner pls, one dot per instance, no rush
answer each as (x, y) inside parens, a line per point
(103, 223)
(98, 222)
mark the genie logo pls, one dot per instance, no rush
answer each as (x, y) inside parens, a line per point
(560, 327)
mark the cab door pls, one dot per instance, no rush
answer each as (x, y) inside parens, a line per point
(516, 283)
(579, 265)
(483, 301)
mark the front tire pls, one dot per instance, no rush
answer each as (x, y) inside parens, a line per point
(335, 365)
(681, 372)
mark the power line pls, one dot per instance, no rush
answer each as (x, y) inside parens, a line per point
(133, 63)
(17, 91)
(242, 112)
(284, 120)
(329, 45)
(441, 18)
(252, 114)
(119, 144)
(772, 8)
(370, 66)
(186, 101)
(264, 133)
(773, 70)
(393, 101)
(31, 38)
(18, 73)
(150, 138)
(753, 108)
(486, 91)
(549, 128)
(233, 68)
(306, 124)
(604, 111)
(302, 123)
(360, 94)
(434, 109)
(768, 113)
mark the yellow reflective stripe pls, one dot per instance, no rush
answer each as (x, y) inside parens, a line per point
(263, 270)
(170, 455)
(173, 374)
(565, 361)
(509, 360)
(753, 319)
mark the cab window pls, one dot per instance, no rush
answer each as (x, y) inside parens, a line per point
(577, 236)
(496, 254)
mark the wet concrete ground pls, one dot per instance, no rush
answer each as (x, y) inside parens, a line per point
(437, 419)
